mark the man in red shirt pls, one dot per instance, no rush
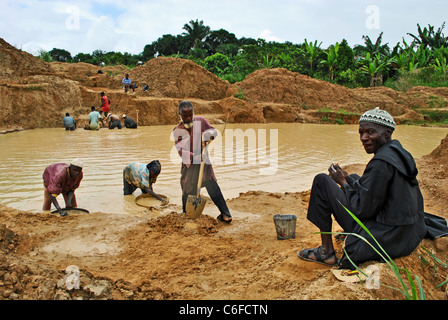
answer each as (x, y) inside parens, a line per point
(62, 178)
(105, 104)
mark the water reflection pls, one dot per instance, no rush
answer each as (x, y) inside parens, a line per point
(301, 153)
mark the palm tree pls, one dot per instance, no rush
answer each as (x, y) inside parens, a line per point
(195, 33)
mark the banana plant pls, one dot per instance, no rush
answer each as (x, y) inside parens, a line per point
(311, 51)
(375, 68)
(332, 59)
(440, 65)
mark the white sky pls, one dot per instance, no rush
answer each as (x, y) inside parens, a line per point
(128, 25)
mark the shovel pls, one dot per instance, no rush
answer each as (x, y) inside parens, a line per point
(195, 203)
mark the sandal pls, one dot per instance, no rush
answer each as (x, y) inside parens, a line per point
(221, 218)
(319, 256)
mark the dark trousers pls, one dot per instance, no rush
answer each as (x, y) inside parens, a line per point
(115, 124)
(214, 191)
(325, 200)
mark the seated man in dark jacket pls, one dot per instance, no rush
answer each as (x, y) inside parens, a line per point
(387, 200)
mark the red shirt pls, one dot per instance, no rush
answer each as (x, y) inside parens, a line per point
(106, 107)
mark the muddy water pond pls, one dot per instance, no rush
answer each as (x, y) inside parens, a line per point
(271, 157)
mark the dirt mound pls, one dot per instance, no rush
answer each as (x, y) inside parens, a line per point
(173, 222)
(440, 154)
(179, 78)
(15, 63)
(281, 86)
(87, 74)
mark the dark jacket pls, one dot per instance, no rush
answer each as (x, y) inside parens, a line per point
(388, 191)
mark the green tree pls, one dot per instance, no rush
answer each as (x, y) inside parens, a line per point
(44, 55)
(195, 33)
(346, 56)
(220, 37)
(60, 55)
(83, 57)
(218, 63)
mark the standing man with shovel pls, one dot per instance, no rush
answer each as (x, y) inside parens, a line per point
(190, 135)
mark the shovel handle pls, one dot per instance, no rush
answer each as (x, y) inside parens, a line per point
(201, 174)
(201, 169)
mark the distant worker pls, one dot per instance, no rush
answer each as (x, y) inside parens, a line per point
(105, 104)
(129, 122)
(62, 178)
(143, 176)
(94, 117)
(69, 122)
(127, 84)
(114, 121)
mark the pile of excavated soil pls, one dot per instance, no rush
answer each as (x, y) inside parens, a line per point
(15, 63)
(286, 87)
(179, 78)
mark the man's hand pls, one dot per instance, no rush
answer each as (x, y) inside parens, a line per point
(337, 174)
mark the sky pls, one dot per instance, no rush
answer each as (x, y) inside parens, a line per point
(128, 25)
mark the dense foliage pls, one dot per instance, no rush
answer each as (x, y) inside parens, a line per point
(422, 62)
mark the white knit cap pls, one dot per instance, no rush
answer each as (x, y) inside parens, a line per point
(124, 116)
(77, 163)
(378, 116)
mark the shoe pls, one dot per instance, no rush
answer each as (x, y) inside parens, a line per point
(319, 256)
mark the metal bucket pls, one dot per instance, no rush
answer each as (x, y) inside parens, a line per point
(285, 225)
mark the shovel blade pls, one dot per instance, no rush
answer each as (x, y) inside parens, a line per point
(194, 206)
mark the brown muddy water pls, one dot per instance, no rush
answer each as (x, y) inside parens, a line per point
(272, 157)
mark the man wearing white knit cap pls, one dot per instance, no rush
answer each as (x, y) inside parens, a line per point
(386, 199)
(62, 178)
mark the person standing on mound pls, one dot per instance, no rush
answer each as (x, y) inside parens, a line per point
(386, 199)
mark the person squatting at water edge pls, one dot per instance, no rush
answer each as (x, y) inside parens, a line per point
(62, 178)
(143, 176)
(68, 122)
(188, 135)
(386, 199)
(114, 121)
(129, 122)
(94, 117)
